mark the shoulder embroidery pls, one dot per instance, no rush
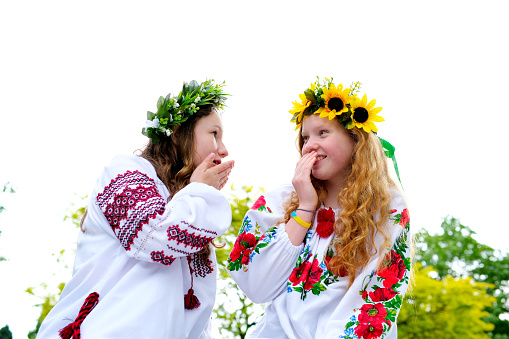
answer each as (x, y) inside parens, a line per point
(248, 245)
(259, 205)
(128, 203)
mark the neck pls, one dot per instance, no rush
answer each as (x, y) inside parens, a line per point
(333, 189)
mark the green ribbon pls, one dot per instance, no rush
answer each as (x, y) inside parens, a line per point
(389, 151)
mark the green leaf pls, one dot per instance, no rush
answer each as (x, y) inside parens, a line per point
(150, 115)
(160, 103)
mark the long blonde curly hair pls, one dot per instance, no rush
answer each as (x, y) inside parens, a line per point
(364, 204)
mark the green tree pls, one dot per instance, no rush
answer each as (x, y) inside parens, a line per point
(48, 298)
(5, 333)
(455, 253)
(235, 312)
(48, 301)
(447, 308)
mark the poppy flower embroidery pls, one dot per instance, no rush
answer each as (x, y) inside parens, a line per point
(325, 222)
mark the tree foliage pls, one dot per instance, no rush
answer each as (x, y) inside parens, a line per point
(5, 333)
(456, 254)
(235, 312)
(49, 298)
(447, 308)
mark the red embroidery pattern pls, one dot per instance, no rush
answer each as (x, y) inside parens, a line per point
(187, 238)
(158, 256)
(128, 208)
(201, 265)
(198, 229)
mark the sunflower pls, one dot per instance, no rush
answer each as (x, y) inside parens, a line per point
(298, 109)
(364, 115)
(336, 100)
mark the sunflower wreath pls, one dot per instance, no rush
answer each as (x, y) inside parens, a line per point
(333, 101)
(172, 111)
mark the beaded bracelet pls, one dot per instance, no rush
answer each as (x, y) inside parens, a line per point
(300, 221)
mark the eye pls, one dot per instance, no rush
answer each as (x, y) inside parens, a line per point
(323, 131)
(214, 133)
(305, 138)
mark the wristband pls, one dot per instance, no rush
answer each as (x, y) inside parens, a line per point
(300, 221)
(301, 209)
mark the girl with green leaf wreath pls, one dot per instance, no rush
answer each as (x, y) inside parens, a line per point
(329, 254)
(144, 265)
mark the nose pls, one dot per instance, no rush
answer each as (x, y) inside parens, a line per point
(309, 146)
(222, 151)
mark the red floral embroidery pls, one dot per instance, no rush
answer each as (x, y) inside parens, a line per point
(325, 222)
(260, 204)
(369, 331)
(382, 294)
(371, 319)
(313, 276)
(244, 244)
(372, 314)
(405, 218)
(392, 269)
(300, 274)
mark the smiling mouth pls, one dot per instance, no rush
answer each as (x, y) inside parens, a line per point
(217, 162)
(320, 157)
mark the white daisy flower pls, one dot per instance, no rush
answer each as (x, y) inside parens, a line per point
(153, 123)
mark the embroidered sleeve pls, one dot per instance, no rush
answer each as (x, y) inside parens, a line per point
(263, 256)
(153, 230)
(371, 305)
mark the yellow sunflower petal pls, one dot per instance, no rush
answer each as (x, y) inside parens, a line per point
(371, 104)
(376, 110)
(377, 118)
(373, 126)
(364, 101)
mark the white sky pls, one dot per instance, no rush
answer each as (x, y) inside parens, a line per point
(76, 80)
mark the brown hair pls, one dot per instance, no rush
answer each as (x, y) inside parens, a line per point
(364, 204)
(172, 157)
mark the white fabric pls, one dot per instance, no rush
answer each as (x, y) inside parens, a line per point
(265, 276)
(140, 294)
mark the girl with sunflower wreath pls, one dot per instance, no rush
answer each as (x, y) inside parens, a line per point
(144, 266)
(329, 254)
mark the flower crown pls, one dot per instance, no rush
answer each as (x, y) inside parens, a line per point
(335, 102)
(172, 111)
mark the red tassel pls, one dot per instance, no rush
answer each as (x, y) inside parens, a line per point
(73, 329)
(325, 222)
(191, 301)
